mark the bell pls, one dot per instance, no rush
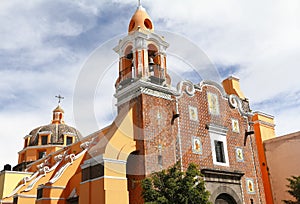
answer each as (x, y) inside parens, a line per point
(151, 62)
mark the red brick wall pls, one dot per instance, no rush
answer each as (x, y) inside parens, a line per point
(155, 135)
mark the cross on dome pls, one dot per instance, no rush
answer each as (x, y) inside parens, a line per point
(59, 98)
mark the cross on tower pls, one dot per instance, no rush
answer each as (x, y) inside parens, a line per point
(59, 98)
(139, 3)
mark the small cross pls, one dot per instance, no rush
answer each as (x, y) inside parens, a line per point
(59, 98)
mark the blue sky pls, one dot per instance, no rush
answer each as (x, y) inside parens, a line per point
(46, 45)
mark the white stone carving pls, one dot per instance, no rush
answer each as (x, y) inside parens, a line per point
(235, 102)
(189, 88)
(60, 172)
(155, 93)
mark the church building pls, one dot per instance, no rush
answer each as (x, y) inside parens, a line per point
(157, 125)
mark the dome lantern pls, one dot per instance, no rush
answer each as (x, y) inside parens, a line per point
(58, 115)
(140, 20)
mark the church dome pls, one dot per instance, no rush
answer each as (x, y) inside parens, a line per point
(57, 131)
(57, 134)
(140, 20)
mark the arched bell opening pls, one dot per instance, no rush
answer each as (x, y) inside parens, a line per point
(156, 71)
(127, 71)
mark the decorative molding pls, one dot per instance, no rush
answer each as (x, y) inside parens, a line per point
(155, 93)
(44, 133)
(51, 198)
(51, 187)
(25, 180)
(211, 83)
(217, 129)
(264, 123)
(60, 172)
(42, 171)
(85, 145)
(102, 177)
(264, 114)
(189, 88)
(39, 147)
(225, 176)
(25, 196)
(134, 89)
(100, 160)
(115, 161)
(235, 102)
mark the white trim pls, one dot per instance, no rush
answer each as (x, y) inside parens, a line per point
(102, 177)
(1, 201)
(217, 129)
(264, 123)
(217, 137)
(100, 160)
(39, 147)
(264, 114)
(136, 88)
(51, 199)
(92, 161)
(50, 187)
(60, 172)
(114, 161)
(15, 172)
(25, 196)
(44, 133)
(25, 180)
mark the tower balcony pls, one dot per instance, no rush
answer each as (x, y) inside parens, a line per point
(156, 74)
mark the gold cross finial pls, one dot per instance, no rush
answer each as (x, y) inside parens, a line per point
(59, 98)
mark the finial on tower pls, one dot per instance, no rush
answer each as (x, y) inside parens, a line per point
(139, 3)
(59, 98)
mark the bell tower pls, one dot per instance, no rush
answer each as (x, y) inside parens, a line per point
(142, 57)
(144, 86)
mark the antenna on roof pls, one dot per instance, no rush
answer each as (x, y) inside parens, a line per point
(59, 98)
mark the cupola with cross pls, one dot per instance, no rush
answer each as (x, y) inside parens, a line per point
(47, 139)
(142, 53)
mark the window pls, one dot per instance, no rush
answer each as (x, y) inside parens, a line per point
(44, 140)
(26, 142)
(160, 160)
(15, 201)
(42, 154)
(39, 193)
(219, 148)
(69, 140)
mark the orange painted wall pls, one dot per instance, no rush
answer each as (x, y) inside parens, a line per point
(261, 129)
